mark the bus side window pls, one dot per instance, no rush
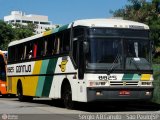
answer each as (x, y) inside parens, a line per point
(77, 32)
(25, 49)
(20, 49)
(16, 55)
(45, 48)
(50, 45)
(56, 46)
(29, 52)
(11, 53)
(40, 47)
(75, 50)
(66, 41)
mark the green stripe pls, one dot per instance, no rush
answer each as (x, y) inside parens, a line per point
(136, 77)
(41, 79)
(55, 30)
(60, 28)
(49, 79)
(127, 76)
(63, 27)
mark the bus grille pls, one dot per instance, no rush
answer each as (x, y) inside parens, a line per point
(124, 83)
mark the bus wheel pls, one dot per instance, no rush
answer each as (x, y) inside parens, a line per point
(67, 97)
(21, 97)
(20, 92)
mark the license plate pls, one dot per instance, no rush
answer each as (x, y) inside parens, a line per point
(124, 92)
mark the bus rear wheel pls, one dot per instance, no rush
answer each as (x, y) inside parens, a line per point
(20, 92)
(21, 97)
(67, 97)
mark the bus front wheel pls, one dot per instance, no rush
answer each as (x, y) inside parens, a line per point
(67, 97)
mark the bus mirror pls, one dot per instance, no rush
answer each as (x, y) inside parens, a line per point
(85, 47)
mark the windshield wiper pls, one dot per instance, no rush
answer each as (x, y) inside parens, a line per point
(113, 65)
(135, 64)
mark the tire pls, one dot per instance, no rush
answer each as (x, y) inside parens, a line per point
(20, 92)
(21, 97)
(67, 97)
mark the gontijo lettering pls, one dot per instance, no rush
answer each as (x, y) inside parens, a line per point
(23, 68)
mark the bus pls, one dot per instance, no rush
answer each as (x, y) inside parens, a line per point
(3, 61)
(85, 61)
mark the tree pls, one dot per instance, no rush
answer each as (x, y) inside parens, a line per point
(6, 35)
(23, 31)
(11, 32)
(145, 12)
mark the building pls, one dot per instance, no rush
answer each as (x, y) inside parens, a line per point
(19, 17)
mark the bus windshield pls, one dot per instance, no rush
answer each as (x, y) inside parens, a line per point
(118, 49)
(103, 52)
(137, 54)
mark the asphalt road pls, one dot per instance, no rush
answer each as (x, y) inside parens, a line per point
(46, 109)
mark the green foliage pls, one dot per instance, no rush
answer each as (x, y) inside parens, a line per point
(156, 83)
(12, 32)
(22, 31)
(148, 13)
(145, 12)
(6, 35)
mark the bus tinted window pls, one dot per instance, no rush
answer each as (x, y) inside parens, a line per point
(20, 49)
(11, 53)
(66, 41)
(40, 47)
(50, 45)
(45, 46)
(29, 53)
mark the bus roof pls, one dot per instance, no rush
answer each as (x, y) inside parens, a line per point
(116, 23)
(112, 23)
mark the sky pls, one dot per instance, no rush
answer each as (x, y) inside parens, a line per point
(62, 11)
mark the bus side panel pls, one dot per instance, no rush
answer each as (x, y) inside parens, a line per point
(45, 79)
(29, 82)
(29, 85)
(12, 85)
(64, 70)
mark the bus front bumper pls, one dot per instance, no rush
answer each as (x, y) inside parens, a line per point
(119, 93)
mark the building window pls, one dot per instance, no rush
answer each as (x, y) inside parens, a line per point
(18, 21)
(26, 21)
(36, 22)
(45, 23)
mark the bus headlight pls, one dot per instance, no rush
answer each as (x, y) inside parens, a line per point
(148, 93)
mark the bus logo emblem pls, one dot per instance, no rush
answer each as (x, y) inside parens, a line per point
(63, 65)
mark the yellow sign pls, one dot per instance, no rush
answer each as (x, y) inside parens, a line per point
(145, 77)
(63, 65)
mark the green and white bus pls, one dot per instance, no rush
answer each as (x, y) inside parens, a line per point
(86, 60)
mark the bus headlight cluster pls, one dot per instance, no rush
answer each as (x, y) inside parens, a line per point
(146, 83)
(97, 83)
